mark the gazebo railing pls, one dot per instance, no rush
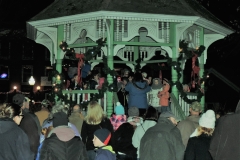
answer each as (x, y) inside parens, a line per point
(176, 108)
(184, 105)
(84, 95)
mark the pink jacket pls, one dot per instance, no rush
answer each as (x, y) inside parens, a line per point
(164, 95)
(117, 120)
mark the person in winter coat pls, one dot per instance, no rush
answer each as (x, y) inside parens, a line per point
(94, 120)
(149, 121)
(101, 140)
(138, 89)
(30, 123)
(225, 141)
(74, 85)
(76, 117)
(188, 125)
(61, 143)
(14, 141)
(162, 141)
(153, 94)
(122, 137)
(164, 98)
(44, 112)
(49, 122)
(119, 117)
(198, 144)
(123, 94)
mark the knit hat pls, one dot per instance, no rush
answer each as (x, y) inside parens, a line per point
(119, 110)
(168, 114)
(208, 119)
(196, 106)
(133, 111)
(60, 119)
(18, 99)
(103, 135)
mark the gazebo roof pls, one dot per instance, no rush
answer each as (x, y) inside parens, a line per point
(60, 8)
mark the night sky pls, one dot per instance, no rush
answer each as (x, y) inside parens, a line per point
(222, 55)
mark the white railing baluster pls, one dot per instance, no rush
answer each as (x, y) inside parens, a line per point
(122, 29)
(99, 28)
(117, 36)
(78, 98)
(162, 30)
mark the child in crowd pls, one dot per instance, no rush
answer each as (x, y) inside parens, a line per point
(164, 97)
(119, 117)
(100, 140)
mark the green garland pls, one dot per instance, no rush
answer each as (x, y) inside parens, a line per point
(189, 53)
(58, 79)
(70, 55)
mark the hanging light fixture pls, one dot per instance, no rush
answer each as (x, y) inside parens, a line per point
(31, 81)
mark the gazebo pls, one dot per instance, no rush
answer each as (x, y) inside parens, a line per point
(130, 26)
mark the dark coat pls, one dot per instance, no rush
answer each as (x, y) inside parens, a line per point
(197, 148)
(74, 86)
(105, 153)
(14, 143)
(225, 141)
(122, 140)
(30, 127)
(162, 140)
(92, 84)
(62, 144)
(122, 97)
(89, 129)
(138, 94)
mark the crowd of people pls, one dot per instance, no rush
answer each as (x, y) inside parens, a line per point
(142, 127)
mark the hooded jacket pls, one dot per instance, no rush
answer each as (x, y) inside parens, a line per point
(225, 141)
(14, 142)
(62, 144)
(164, 95)
(162, 140)
(105, 153)
(138, 94)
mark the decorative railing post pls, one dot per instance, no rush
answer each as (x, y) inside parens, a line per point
(175, 47)
(110, 39)
(201, 65)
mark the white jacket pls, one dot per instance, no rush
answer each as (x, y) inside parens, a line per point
(139, 132)
(153, 97)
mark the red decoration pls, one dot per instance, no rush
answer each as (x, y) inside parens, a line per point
(195, 70)
(80, 64)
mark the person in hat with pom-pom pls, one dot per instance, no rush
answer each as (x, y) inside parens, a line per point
(198, 144)
(119, 117)
(101, 138)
